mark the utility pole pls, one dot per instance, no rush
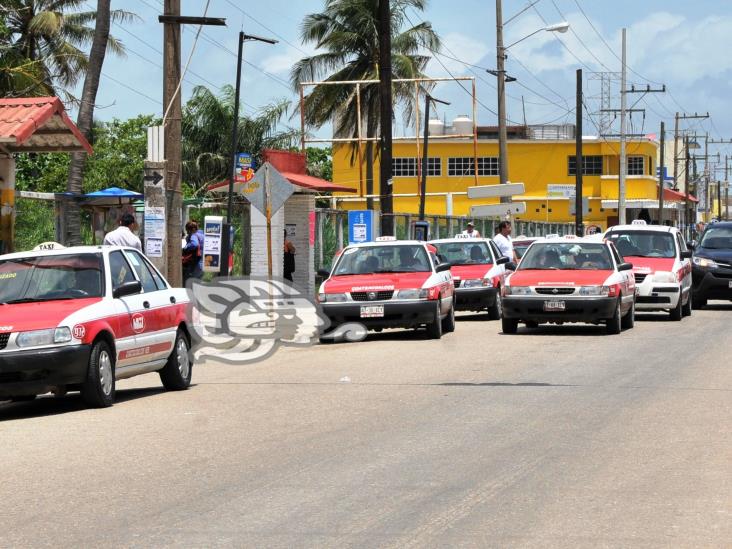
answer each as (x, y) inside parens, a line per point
(721, 141)
(661, 185)
(423, 187)
(578, 213)
(726, 188)
(676, 151)
(501, 85)
(385, 179)
(687, 210)
(623, 160)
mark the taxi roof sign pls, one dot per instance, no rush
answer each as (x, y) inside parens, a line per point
(464, 235)
(46, 246)
(639, 222)
(385, 238)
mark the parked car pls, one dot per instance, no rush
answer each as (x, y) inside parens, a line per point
(569, 279)
(81, 318)
(521, 243)
(390, 283)
(712, 264)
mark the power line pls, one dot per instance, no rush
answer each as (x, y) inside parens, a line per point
(580, 39)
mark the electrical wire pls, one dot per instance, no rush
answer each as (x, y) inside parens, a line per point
(577, 36)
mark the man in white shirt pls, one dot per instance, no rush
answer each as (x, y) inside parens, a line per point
(471, 232)
(503, 240)
(123, 235)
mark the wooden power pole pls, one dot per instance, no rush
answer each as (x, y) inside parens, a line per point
(385, 179)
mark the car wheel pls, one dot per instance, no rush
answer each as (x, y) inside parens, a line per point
(698, 303)
(676, 313)
(509, 325)
(99, 387)
(531, 324)
(448, 323)
(686, 309)
(628, 320)
(176, 375)
(613, 326)
(434, 328)
(495, 311)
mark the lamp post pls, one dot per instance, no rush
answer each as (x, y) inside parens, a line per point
(501, 87)
(226, 235)
(423, 188)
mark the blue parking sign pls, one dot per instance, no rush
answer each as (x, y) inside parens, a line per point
(360, 226)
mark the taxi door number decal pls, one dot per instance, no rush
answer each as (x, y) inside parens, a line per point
(138, 323)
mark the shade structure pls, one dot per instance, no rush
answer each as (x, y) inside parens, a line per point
(112, 196)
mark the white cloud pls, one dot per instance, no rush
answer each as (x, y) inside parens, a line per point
(460, 46)
(282, 63)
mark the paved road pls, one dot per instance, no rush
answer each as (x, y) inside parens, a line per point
(556, 437)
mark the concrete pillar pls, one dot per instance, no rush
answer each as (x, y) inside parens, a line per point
(297, 213)
(259, 242)
(7, 204)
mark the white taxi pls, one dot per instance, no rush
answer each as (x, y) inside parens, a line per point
(390, 283)
(81, 318)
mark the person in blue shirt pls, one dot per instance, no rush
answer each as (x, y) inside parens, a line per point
(193, 252)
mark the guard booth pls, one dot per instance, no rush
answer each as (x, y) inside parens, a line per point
(34, 124)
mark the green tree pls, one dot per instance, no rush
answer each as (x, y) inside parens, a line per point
(347, 34)
(320, 162)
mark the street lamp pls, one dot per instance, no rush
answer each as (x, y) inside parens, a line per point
(501, 88)
(428, 99)
(226, 235)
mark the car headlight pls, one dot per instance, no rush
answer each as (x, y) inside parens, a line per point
(475, 283)
(37, 338)
(415, 293)
(518, 290)
(664, 276)
(594, 290)
(331, 298)
(705, 263)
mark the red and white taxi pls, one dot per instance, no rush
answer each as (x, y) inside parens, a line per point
(390, 283)
(478, 271)
(80, 318)
(570, 279)
(661, 265)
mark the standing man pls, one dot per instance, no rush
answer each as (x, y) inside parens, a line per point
(193, 252)
(124, 235)
(503, 240)
(470, 231)
(289, 258)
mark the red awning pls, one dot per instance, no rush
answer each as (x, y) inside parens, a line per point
(304, 181)
(675, 196)
(38, 124)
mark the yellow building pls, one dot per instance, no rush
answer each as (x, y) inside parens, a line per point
(545, 167)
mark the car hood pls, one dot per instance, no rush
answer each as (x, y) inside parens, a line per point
(717, 254)
(650, 265)
(375, 282)
(531, 277)
(466, 272)
(22, 317)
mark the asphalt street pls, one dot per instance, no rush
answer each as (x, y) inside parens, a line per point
(556, 437)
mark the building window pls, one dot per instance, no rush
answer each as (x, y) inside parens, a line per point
(464, 165)
(591, 165)
(403, 167)
(636, 165)
(434, 166)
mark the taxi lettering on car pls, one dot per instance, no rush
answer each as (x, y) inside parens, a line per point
(390, 283)
(570, 279)
(661, 266)
(81, 318)
(478, 272)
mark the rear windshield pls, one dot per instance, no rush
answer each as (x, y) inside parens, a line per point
(643, 243)
(717, 237)
(464, 253)
(50, 278)
(569, 256)
(383, 259)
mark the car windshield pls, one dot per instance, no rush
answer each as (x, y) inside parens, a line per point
(717, 237)
(50, 277)
(521, 248)
(383, 259)
(464, 252)
(569, 256)
(643, 243)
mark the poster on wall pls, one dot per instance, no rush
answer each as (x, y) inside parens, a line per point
(291, 229)
(212, 228)
(154, 247)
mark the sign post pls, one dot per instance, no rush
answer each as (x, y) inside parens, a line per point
(155, 227)
(360, 226)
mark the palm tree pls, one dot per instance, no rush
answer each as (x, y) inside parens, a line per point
(347, 32)
(206, 125)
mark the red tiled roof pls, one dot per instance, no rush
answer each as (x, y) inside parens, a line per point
(675, 196)
(315, 183)
(38, 124)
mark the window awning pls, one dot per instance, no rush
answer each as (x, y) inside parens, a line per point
(304, 181)
(38, 124)
(676, 196)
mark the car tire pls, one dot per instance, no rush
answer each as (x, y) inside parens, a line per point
(177, 372)
(686, 309)
(676, 313)
(509, 325)
(613, 326)
(98, 389)
(434, 328)
(448, 323)
(628, 321)
(495, 311)
(698, 303)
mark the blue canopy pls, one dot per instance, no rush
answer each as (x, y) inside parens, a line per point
(112, 196)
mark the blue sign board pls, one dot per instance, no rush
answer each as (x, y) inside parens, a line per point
(360, 226)
(666, 176)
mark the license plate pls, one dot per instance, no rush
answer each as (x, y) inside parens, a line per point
(372, 311)
(554, 305)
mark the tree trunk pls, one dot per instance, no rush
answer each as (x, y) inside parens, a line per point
(84, 121)
(369, 174)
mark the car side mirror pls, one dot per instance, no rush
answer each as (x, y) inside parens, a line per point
(128, 288)
(691, 244)
(442, 267)
(625, 266)
(324, 273)
(686, 254)
(510, 266)
(502, 260)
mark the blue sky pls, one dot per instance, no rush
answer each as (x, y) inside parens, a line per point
(675, 42)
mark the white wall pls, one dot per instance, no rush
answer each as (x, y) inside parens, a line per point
(259, 242)
(7, 202)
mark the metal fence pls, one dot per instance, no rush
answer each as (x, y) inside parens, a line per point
(331, 229)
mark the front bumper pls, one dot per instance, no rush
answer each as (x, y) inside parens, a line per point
(397, 314)
(577, 309)
(35, 372)
(655, 296)
(475, 299)
(711, 283)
